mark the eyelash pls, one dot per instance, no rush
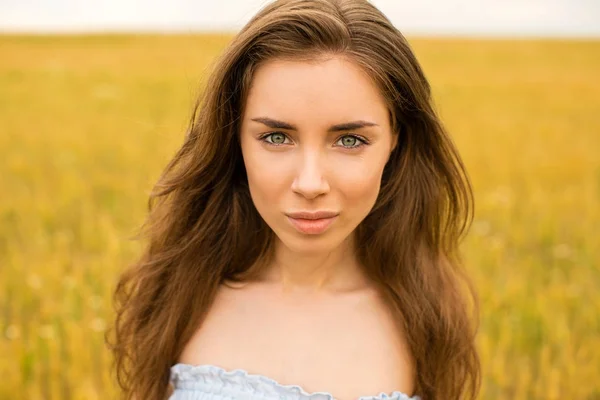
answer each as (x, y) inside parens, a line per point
(361, 140)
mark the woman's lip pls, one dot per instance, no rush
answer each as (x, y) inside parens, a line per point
(312, 226)
(312, 215)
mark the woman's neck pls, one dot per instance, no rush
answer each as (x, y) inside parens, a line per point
(335, 271)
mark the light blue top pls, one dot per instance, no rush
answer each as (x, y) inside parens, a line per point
(209, 382)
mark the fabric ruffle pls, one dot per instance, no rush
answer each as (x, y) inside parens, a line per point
(239, 384)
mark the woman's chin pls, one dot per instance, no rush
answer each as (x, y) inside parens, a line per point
(310, 245)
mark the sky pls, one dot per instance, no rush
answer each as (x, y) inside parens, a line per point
(559, 18)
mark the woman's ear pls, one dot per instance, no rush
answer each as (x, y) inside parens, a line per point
(395, 128)
(394, 144)
(394, 141)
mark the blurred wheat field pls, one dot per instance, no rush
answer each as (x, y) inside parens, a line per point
(87, 123)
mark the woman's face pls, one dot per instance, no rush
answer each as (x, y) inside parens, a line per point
(315, 138)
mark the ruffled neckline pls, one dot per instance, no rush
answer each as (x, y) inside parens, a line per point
(184, 374)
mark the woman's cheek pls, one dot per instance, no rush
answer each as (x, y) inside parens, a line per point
(359, 186)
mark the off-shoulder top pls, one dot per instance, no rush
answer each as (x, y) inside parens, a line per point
(209, 382)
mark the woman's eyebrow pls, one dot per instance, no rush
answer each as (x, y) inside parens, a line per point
(275, 124)
(349, 126)
(346, 126)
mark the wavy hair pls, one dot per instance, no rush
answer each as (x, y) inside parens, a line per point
(202, 227)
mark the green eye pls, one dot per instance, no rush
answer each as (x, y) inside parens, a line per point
(275, 138)
(350, 141)
(278, 138)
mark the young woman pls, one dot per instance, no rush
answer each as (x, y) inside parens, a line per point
(303, 241)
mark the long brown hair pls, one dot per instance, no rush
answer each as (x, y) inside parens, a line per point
(203, 229)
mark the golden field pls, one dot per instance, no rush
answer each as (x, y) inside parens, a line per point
(87, 124)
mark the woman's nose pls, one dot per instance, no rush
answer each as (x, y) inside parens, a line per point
(310, 181)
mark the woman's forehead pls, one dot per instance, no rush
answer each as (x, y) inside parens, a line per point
(333, 88)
